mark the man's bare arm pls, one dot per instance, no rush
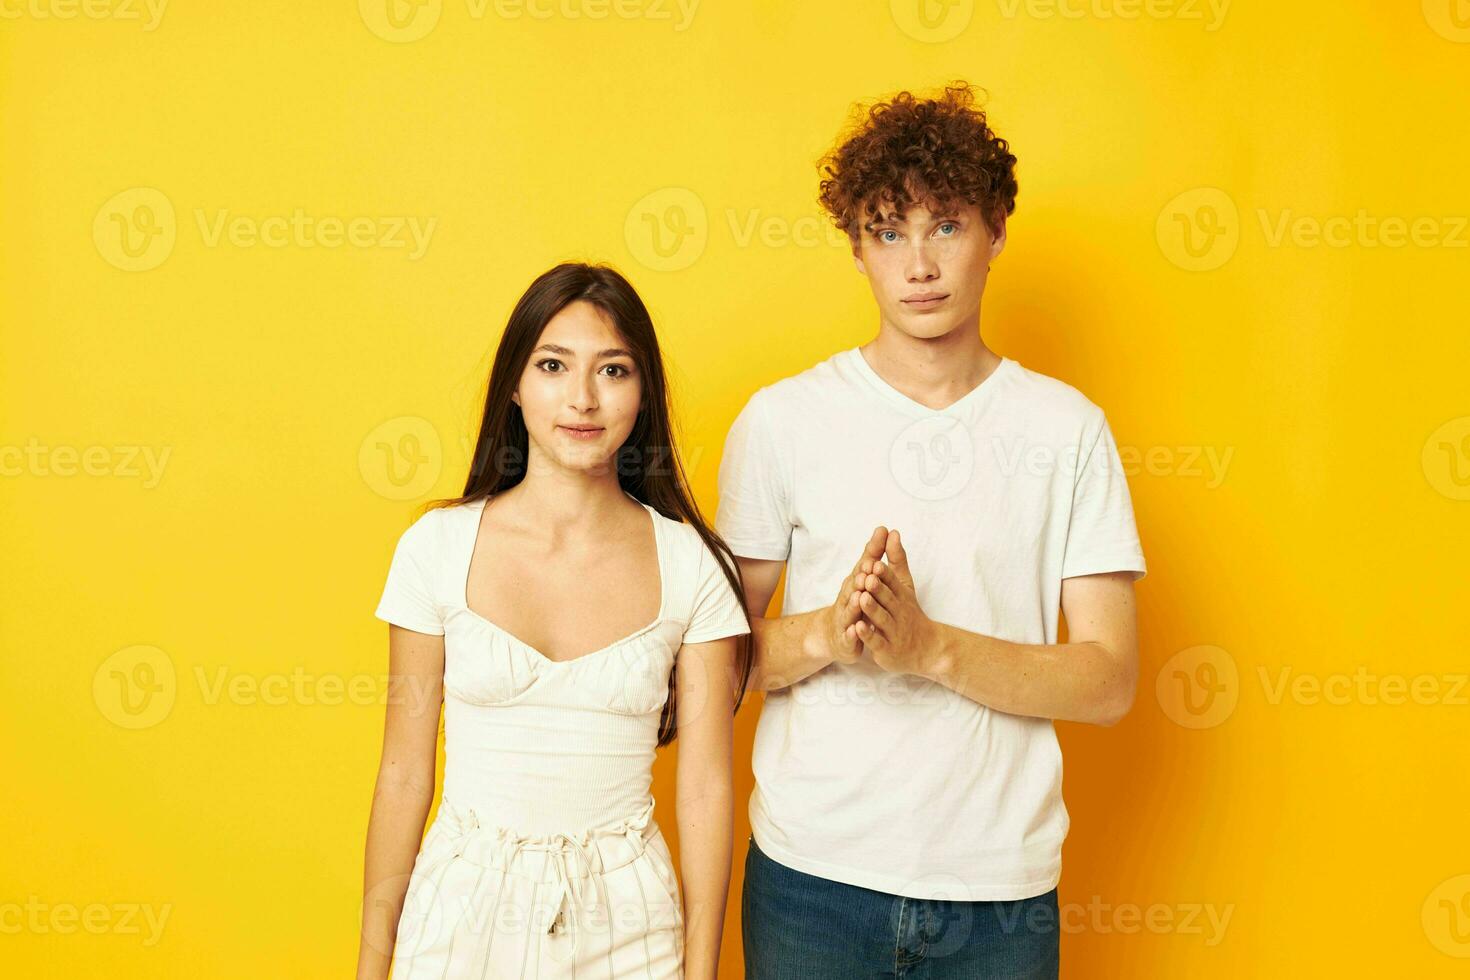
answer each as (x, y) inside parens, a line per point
(1092, 678)
(790, 648)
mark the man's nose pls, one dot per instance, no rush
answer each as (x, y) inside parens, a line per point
(922, 264)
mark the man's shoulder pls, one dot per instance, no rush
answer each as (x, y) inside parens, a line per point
(1042, 396)
(805, 390)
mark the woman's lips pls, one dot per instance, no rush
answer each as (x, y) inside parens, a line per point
(584, 435)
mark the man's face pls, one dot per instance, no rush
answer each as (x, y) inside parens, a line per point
(928, 270)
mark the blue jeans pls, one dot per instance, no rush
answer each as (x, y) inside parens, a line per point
(798, 926)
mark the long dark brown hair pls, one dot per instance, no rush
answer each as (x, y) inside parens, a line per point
(648, 463)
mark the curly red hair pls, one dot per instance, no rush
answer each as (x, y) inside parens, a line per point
(937, 151)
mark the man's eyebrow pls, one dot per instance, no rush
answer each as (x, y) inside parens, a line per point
(949, 215)
(567, 352)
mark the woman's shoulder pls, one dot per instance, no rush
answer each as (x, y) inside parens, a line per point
(427, 534)
(691, 548)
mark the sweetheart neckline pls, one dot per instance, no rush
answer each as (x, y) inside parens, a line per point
(659, 546)
(542, 657)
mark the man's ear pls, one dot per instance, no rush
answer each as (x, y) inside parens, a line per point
(998, 240)
(857, 255)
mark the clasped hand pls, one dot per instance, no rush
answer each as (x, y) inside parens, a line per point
(878, 609)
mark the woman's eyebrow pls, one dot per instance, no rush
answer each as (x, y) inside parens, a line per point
(567, 352)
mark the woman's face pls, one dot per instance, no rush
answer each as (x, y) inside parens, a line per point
(580, 391)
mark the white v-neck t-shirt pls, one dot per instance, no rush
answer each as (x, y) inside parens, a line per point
(551, 746)
(889, 781)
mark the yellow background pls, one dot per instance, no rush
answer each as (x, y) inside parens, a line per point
(309, 397)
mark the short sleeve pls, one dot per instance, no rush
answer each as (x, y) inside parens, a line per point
(408, 595)
(1101, 533)
(717, 611)
(754, 512)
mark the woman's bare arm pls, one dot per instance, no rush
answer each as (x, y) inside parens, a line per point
(705, 796)
(404, 791)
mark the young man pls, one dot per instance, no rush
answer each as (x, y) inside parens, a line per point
(934, 504)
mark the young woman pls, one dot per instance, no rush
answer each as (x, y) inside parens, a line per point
(573, 612)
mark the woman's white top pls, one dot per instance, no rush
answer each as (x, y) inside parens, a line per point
(541, 745)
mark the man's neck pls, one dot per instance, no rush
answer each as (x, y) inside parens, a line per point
(931, 371)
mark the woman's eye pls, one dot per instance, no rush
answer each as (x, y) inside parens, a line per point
(624, 372)
(550, 360)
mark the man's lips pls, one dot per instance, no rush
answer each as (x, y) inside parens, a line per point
(922, 298)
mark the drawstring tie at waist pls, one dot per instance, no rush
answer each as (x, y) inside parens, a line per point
(560, 848)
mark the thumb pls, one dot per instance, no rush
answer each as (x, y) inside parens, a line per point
(898, 558)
